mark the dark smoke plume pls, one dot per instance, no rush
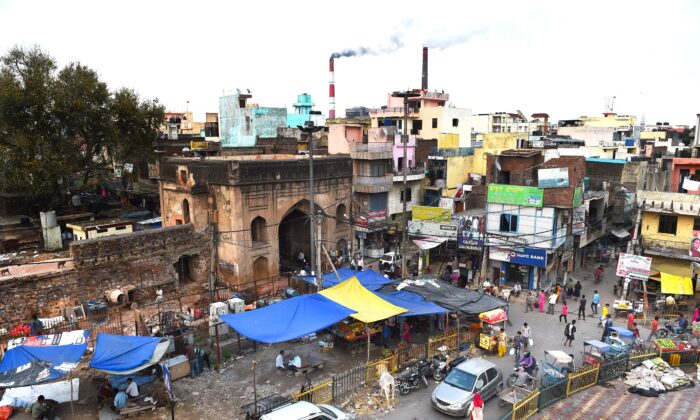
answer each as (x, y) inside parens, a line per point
(395, 43)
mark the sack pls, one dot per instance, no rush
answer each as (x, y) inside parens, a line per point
(532, 343)
(512, 351)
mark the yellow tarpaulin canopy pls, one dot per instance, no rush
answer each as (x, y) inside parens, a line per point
(673, 267)
(369, 307)
(676, 285)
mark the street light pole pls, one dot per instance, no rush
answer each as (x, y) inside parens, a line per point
(309, 129)
(404, 168)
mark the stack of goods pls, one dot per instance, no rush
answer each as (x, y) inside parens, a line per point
(655, 376)
(665, 344)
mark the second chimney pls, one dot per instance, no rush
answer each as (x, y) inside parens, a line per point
(424, 79)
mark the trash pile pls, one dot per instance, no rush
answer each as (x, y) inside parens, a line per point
(655, 376)
(369, 401)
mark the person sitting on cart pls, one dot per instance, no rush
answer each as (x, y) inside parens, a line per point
(615, 342)
(522, 377)
(527, 362)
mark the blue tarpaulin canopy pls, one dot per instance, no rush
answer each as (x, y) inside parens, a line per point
(37, 359)
(415, 304)
(288, 319)
(370, 279)
(121, 354)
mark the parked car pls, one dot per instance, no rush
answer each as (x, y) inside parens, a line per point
(453, 395)
(303, 410)
(388, 259)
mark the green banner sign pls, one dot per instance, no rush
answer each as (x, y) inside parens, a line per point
(516, 195)
(578, 197)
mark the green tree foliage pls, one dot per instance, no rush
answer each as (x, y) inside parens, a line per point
(58, 125)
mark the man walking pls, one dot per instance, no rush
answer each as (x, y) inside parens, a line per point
(527, 335)
(599, 273)
(594, 302)
(552, 302)
(517, 344)
(654, 328)
(606, 329)
(569, 332)
(582, 307)
(530, 302)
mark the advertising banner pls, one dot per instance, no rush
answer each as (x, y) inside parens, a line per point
(633, 266)
(471, 234)
(516, 195)
(425, 228)
(524, 256)
(432, 214)
(578, 197)
(553, 177)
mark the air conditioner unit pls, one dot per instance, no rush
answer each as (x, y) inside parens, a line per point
(217, 309)
(236, 305)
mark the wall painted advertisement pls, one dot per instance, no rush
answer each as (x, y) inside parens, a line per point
(553, 177)
(633, 266)
(432, 214)
(516, 195)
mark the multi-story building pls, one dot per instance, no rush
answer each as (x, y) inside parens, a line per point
(510, 122)
(241, 123)
(670, 235)
(608, 130)
(303, 112)
(414, 180)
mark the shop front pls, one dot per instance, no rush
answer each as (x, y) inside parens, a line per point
(518, 265)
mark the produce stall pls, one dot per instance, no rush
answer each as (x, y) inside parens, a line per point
(491, 324)
(353, 333)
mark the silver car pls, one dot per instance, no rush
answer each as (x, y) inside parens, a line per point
(454, 394)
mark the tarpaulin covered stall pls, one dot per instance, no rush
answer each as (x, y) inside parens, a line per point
(368, 278)
(37, 359)
(468, 302)
(123, 355)
(415, 304)
(368, 306)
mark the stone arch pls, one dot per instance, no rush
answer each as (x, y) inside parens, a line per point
(261, 268)
(341, 219)
(259, 231)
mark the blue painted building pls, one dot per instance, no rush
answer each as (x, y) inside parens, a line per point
(240, 123)
(303, 112)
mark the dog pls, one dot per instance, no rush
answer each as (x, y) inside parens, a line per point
(5, 272)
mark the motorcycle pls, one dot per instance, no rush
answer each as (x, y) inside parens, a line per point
(408, 380)
(443, 367)
(426, 368)
(669, 329)
(533, 371)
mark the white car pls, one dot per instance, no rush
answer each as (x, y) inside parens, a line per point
(389, 258)
(303, 410)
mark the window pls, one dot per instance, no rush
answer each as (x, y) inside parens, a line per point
(668, 224)
(492, 374)
(435, 123)
(509, 223)
(400, 124)
(696, 223)
(258, 230)
(407, 194)
(120, 227)
(455, 122)
(100, 230)
(417, 125)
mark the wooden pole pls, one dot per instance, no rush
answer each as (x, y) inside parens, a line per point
(368, 341)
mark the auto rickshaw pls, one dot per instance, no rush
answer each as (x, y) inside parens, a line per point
(626, 337)
(491, 324)
(595, 352)
(556, 366)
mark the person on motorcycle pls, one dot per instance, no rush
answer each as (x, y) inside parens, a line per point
(527, 362)
(522, 377)
(682, 325)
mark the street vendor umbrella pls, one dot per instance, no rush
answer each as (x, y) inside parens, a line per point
(368, 306)
(494, 316)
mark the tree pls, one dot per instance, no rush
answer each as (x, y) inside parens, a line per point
(57, 126)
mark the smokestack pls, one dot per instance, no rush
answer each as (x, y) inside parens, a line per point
(424, 81)
(331, 92)
(697, 130)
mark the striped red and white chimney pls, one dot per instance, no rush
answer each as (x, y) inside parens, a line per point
(331, 92)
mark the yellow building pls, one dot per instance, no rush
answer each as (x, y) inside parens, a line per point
(100, 228)
(670, 235)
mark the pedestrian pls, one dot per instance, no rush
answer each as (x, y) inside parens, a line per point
(635, 331)
(518, 344)
(569, 332)
(552, 302)
(582, 307)
(540, 302)
(606, 328)
(159, 296)
(605, 312)
(599, 273)
(502, 342)
(361, 263)
(654, 328)
(476, 407)
(193, 359)
(392, 326)
(517, 289)
(577, 290)
(530, 302)
(696, 314)
(386, 334)
(564, 312)
(527, 335)
(630, 320)
(594, 302)
(405, 332)
(569, 288)
(557, 291)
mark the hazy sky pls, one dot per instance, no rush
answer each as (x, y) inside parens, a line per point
(558, 57)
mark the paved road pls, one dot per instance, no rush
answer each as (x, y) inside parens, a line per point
(548, 334)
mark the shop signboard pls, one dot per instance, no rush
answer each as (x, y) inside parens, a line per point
(516, 195)
(553, 177)
(578, 197)
(425, 228)
(199, 145)
(372, 220)
(567, 256)
(471, 234)
(633, 266)
(525, 256)
(431, 214)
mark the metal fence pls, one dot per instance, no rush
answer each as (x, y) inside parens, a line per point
(345, 383)
(319, 394)
(410, 355)
(581, 380)
(638, 357)
(527, 407)
(553, 393)
(680, 358)
(613, 369)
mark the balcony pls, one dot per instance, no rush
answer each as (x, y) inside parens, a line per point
(372, 184)
(437, 153)
(667, 248)
(412, 174)
(371, 151)
(396, 111)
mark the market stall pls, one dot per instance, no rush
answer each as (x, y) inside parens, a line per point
(353, 334)
(491, 324)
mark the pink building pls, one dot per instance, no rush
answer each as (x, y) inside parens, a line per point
(685, 168)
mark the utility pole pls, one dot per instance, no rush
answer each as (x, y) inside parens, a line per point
(309, 129)
(319, 260)
(212, 255)
(404, 169)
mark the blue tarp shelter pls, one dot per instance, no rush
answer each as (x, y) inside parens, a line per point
(370, 279)
(37, 359)
(122, 355)
(415, 304)
(288, 319)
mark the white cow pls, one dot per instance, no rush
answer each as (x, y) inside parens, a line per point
(387, 384)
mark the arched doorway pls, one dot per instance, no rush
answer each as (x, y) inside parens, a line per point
(186, 210)
(342, 249)
(261, 268)
(341, 218)
(293, 236)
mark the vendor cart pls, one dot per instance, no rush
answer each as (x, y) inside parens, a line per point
(595, 352)
(491, 324)
(353, 333)
(512, 395)
(556, 366)
(620, 344)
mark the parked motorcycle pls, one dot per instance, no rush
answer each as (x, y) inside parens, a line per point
(408, 380)
(533, 371)
(443, 367)
(669, 329)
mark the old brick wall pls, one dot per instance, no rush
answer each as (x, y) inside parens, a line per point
(563, 197)
(144, 259)
(523, 169)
